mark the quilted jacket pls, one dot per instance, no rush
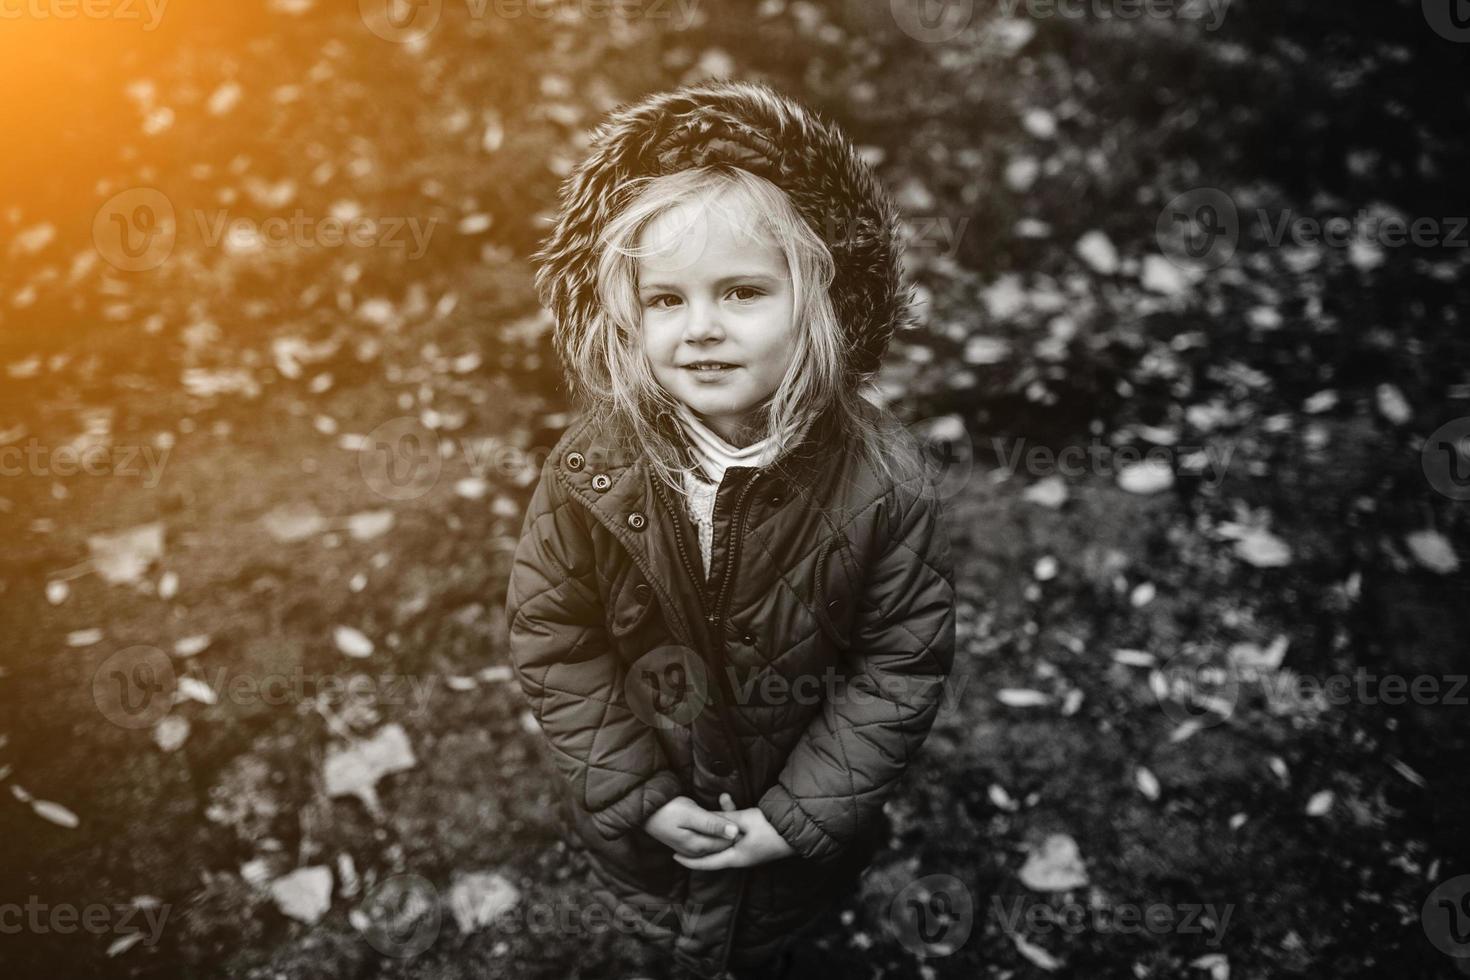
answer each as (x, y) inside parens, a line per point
(802, 677)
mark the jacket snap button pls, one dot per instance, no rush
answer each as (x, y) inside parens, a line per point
(748, 639)
(775, 500)
(719, 767)
(835, 606)
(574, 461)
(642, 591)
(636, 521)
(601, 482)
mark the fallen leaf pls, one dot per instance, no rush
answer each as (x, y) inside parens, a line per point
(1050, 492)
(1145, 477)
(123, 557)
(1035, 953)
(352, 642)
(1018, 697)
(479, 898)
(354, 770)
(190, 646)
(124, 943)
(1134, 658)
(305, 894)
(1055, 866)
(293, 522)
(1433, 551)
(369, 524)
(1097, 250)
(1320, 803)
(193, 689)
(1392, 404)
(171, 732)
(56, 813)
(1261, 548)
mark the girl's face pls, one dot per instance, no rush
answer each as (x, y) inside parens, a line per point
(714, 293)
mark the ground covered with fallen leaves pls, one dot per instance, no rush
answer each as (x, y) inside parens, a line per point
(255, 701)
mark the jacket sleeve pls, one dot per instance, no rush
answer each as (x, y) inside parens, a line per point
(846, 764)
(612, 762)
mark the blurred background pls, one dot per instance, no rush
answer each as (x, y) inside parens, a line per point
(1192, 364)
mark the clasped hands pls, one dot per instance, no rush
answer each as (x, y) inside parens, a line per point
(704, 840)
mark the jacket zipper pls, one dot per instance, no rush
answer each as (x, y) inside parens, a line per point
(713, 620)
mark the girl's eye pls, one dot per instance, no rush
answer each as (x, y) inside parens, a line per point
(654, 302)
(746, 289)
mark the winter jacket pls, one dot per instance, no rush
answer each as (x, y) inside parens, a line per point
(802, 678)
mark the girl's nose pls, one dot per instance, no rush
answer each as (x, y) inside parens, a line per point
(703, 323)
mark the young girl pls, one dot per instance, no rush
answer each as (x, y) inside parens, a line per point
(732, 605)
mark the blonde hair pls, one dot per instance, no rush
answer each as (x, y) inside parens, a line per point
(611, 374)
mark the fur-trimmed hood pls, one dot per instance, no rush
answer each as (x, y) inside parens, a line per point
(752, 126)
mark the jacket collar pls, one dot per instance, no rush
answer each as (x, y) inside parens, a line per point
(614, 483)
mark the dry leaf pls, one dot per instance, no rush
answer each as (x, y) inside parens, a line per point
(1145, 477)
(1019, 697)
(56, 813)
(1433, 551)
(1262, 549)
(369, 524)
(1049, 492)
(171, 732)
(305, 894)
(1320, 803)
(1055, 866)
(122, 558)
(354, 770)
(479, 898)
(293, 522)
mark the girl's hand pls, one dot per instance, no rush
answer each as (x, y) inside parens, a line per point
(759, 842)
(691, 830)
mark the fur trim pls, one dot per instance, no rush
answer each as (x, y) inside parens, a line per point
(750, 125)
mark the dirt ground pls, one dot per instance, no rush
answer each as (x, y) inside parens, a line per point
(254, 686)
